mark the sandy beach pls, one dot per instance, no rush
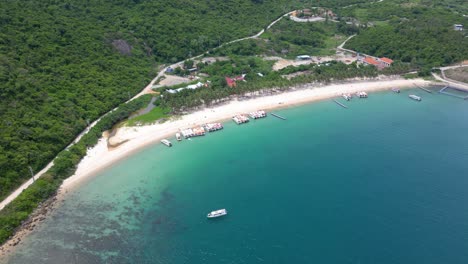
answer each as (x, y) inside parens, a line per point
(136, 138)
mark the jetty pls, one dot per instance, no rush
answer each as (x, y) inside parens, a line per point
(424, 89)
(278, 116)
(443, 91)
(340, 104)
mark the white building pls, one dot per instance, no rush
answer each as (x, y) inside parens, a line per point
(458, 27)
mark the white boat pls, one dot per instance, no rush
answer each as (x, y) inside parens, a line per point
(396, 90)
(166, 142)
(347, 97)
(217, 213)
(414, 97)
(178, 136)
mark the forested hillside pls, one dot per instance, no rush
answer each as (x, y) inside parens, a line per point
(64, 64)
(421, 35)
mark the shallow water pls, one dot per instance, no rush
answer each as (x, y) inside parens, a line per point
(383, 181)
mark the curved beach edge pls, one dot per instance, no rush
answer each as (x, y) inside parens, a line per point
(136, 138)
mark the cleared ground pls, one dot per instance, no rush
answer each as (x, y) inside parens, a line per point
(458, 74)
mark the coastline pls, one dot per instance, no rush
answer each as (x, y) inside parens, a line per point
(136, 138)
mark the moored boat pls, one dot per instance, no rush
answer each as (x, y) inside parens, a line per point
(217, 213)
(415, 97)
(166, 142)
(396, 90)
(178, 136)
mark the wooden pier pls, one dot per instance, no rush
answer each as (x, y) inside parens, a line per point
(340, 104)
(278, 116)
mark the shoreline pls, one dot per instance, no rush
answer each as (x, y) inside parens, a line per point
(101, 157)
(135, 139)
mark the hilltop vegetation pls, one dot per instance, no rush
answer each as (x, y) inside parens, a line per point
(290, 39)
(62, 65)
(415, 33)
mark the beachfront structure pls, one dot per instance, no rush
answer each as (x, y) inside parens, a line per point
(370, 61)
(258, 114)
(386, 62)
(361, 94)
(193, 132)
(458, 27)
(231, 82)
(211, 127)
(240, 119)
(380, 63)
(191, 87)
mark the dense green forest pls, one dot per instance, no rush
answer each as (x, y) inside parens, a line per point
(64, 165)
(62, 65)
(421, 35)
(290, 39)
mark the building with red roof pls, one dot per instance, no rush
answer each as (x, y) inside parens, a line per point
(230, 82)
(386, 61)
(371, 61)
(380, 63)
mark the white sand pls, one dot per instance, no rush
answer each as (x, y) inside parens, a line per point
(100, 157)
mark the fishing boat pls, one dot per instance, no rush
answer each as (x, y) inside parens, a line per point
(414, 97)
(166, 142)
(178, 136)
(217, 213)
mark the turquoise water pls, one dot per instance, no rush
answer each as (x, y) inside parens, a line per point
(384, 181)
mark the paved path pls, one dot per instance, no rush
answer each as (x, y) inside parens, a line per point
(454, 83)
